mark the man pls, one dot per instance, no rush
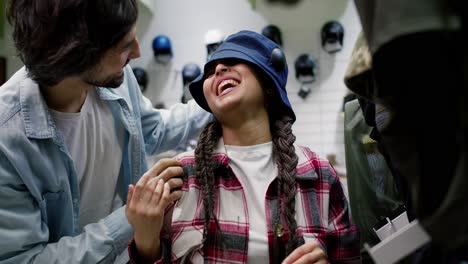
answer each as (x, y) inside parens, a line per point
(74, 132)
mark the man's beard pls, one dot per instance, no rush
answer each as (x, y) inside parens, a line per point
(112, 81)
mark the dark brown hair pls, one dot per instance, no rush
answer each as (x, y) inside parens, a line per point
(56, 39)
(283, 152)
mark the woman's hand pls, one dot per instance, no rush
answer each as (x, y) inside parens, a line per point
(147, 201)
(310, 252)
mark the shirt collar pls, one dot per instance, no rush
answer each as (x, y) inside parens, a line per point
(36, 118)
(305, 169)
(219, 153)
(38, 122)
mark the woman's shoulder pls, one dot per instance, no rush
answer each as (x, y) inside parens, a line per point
(307, 155)
(310, 163)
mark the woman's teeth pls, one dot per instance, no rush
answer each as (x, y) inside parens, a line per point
(226, 84)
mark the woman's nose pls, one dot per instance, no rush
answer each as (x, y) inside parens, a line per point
(220, 68)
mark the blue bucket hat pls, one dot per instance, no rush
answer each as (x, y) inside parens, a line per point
(254, 49)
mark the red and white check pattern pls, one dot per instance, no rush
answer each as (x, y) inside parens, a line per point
(322, 214)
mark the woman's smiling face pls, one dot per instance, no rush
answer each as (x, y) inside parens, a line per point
(232, 86)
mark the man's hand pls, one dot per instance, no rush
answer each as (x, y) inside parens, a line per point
(310, 252)
(147, 201)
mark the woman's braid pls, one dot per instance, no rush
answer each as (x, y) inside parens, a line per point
(286, 160)
(205, 167)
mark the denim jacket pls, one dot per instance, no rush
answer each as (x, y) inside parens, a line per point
(39, 190)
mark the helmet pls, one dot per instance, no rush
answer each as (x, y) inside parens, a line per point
(305, 68)
(141, 77)
(213, 38)
(189, 73)
(162, 48)
(332, 36)
(274, 33)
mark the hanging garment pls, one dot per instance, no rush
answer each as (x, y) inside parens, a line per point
(426, 138)
(372, 191)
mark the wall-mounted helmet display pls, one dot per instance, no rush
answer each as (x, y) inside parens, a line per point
(274, 33)
(162, 49)
(305, 67)
(141, 77)
(332, 36)
(213, 38)
(190, 71)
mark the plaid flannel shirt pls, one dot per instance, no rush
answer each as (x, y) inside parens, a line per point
(322, 214)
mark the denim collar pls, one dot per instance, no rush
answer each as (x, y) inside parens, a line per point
(38, 123)
(36, 118)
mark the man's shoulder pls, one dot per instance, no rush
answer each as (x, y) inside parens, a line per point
(10, 103)
(16, 79)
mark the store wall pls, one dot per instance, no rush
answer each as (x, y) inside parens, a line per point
(319, 124)
(7, 49)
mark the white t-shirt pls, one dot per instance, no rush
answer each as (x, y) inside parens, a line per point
(255, 168)
(92, 140)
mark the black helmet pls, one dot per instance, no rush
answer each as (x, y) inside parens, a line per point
(305, 68)
(332, 36)
(274, 33)
(141, 77)
(190, 72)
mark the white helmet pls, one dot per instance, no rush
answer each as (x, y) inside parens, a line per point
(213, 38)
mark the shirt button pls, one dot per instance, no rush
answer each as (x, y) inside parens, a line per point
(279, 230)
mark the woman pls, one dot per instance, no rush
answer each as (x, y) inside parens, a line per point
(249, 194)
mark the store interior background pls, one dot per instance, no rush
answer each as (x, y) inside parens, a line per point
(319, 122)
